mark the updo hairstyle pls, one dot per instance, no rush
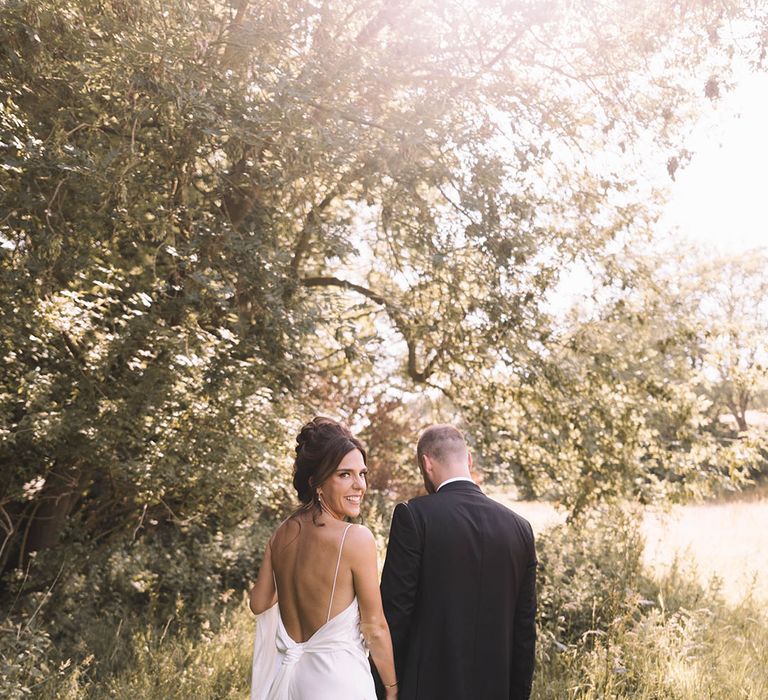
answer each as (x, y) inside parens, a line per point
(320, 447)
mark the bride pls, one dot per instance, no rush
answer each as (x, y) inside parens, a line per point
(316, 598)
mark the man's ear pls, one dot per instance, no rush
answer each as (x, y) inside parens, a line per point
(469, 460)
(426, 464)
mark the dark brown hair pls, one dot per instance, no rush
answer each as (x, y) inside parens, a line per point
(320, 447)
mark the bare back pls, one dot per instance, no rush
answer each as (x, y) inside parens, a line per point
(305, 557)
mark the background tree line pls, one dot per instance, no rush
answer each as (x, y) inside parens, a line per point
(219, 218)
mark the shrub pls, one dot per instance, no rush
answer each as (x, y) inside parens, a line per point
(607, 630)
(589, 575)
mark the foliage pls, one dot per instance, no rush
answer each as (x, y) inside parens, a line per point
(26, 663)
(589, 576)
(624, 402)
(728, 295)
(195, 197)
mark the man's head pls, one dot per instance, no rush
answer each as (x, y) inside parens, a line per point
(442, 454)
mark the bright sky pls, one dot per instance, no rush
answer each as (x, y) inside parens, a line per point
(720, 199)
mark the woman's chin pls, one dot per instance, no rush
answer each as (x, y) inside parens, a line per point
(352, 511)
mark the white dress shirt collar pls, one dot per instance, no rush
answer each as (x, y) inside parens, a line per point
(455, 478)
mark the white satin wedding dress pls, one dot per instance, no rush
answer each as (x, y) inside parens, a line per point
(331, 665)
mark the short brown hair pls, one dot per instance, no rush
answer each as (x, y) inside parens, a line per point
(439, 442)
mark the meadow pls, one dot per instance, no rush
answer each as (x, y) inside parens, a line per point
(722, 544)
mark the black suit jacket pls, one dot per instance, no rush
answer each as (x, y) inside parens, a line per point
(459, 594)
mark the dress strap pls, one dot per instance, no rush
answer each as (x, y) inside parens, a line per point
(338, 561)
(272, 566)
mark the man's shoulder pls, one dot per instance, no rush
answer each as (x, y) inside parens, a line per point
(415, 509)
(421, 503)
(411, 505)
(418, 501)
(502, 514)
(437, 501)
(429, 501)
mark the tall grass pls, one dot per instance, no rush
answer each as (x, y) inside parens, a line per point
(609, 628)
(687, 644)
(152, 664)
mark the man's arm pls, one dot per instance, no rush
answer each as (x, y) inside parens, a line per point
(524, 645)
(400, 579)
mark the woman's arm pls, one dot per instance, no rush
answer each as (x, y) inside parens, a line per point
(373, 624)
(264, 594)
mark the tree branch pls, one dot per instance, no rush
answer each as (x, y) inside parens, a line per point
(344, 284)
(420, 376)
(237, 23)
(310, 222)
(346, 116)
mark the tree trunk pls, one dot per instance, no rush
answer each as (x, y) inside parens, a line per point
(55, 503)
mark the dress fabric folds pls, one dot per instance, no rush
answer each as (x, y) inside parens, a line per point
(331, 665)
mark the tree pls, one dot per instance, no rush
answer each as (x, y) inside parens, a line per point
(205, 209)
(731, 297)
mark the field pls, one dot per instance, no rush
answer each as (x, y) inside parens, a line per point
(722, 544)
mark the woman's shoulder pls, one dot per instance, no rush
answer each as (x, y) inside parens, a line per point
(359, 533)
(286, 530)
(352, 533)
(360, 541)
(355, 535)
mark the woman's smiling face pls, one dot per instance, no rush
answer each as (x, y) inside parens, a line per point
(342, 492)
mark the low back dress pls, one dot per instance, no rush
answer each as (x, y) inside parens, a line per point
(331, 665)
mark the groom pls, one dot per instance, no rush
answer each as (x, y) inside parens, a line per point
(459, 585)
